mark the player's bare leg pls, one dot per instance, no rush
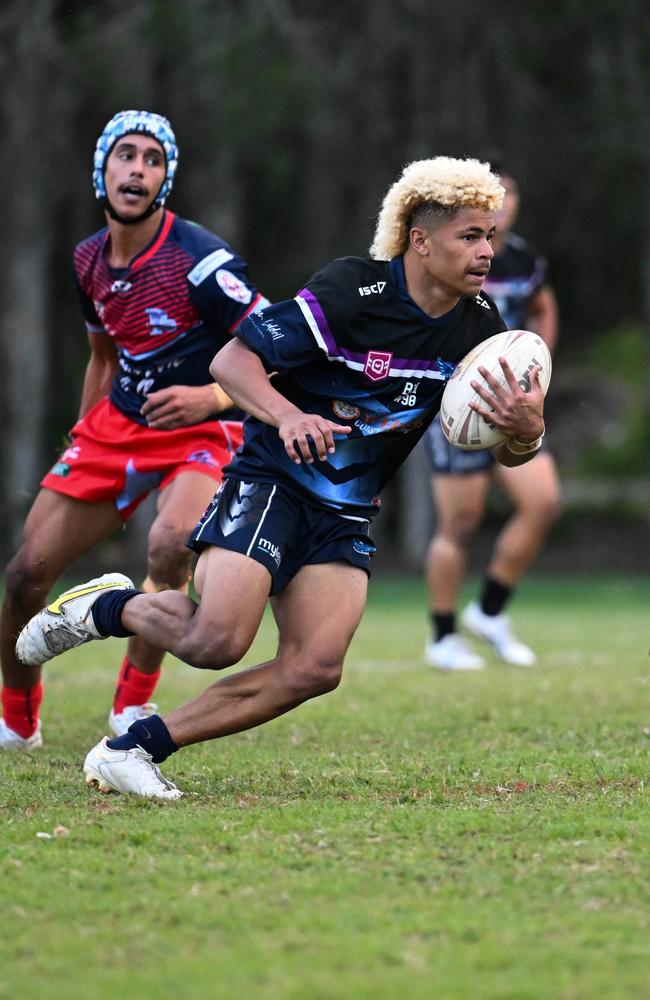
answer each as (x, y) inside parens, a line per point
(179, 507)
(58, 530)
(459, 502)
(317, 615)
(535, 492)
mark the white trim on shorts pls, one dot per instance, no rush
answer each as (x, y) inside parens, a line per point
(261, 520)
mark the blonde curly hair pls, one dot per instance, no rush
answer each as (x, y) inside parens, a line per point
(442, 182)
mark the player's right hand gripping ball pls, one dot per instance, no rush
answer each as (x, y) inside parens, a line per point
(461, 425)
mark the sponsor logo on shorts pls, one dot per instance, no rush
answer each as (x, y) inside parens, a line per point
(71, 453)
(266, 546)
(233, 287)
(60, 469)
(203, 457)
(345, 410)
(363, 548)
(378, 365)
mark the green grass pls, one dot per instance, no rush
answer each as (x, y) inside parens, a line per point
(412, 834)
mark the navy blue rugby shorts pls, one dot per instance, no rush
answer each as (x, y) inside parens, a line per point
(280, 530)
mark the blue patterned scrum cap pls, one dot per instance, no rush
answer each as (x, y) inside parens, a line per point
(149, 123)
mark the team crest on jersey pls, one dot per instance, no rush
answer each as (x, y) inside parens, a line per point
(378, 365)
(233, 286)
(344, 410)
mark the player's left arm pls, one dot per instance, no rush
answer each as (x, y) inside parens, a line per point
(519, 414)
(241, 369)
(542, 315)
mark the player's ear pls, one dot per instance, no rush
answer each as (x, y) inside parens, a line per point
(418, 238)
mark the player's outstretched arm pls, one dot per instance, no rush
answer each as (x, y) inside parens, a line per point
(242, 375)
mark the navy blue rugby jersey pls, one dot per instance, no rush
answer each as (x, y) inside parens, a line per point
(168, 312)
(516, 274)
(355, 348)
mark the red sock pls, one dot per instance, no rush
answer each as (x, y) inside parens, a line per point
(20, 708)
(133, 686)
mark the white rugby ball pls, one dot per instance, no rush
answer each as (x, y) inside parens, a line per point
(522, 349)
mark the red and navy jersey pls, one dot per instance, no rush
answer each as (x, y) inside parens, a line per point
(354, 347)
(168, 312)
(516, 274)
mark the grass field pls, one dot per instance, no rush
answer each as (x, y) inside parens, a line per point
(411, 835)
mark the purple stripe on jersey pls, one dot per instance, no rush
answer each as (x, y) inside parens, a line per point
(321, 320)
(334, 350)
(417, 366)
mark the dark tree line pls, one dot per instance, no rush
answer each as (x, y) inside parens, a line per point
(292, 120)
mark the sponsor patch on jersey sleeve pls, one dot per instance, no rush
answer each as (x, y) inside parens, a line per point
(234, 287)
(208, 266)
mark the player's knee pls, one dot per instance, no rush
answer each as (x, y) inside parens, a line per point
(544, 510)
(168, 555)
(215, 651)
(28, 580)
(313, 676)
(549, 511)
(460, 528)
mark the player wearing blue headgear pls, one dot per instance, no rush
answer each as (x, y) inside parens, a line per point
(134, 123)
(159, 296)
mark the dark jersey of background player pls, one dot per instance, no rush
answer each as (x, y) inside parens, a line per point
(517, 273)
(322, 346)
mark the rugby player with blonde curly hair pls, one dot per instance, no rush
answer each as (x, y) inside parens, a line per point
(361, 356)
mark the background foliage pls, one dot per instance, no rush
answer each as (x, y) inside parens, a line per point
(292, 120)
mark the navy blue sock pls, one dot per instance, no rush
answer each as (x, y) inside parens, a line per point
(494, 596)
(151, 734)
(107, 612)
(443, 624)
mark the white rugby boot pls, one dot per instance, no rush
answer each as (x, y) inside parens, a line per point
(496, 630)
(452, 653)
(119, 722)
(10, 740)
(130, 771)
(66, 622)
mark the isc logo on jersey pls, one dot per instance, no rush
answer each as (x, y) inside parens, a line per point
(233, 287)
(375, 289)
